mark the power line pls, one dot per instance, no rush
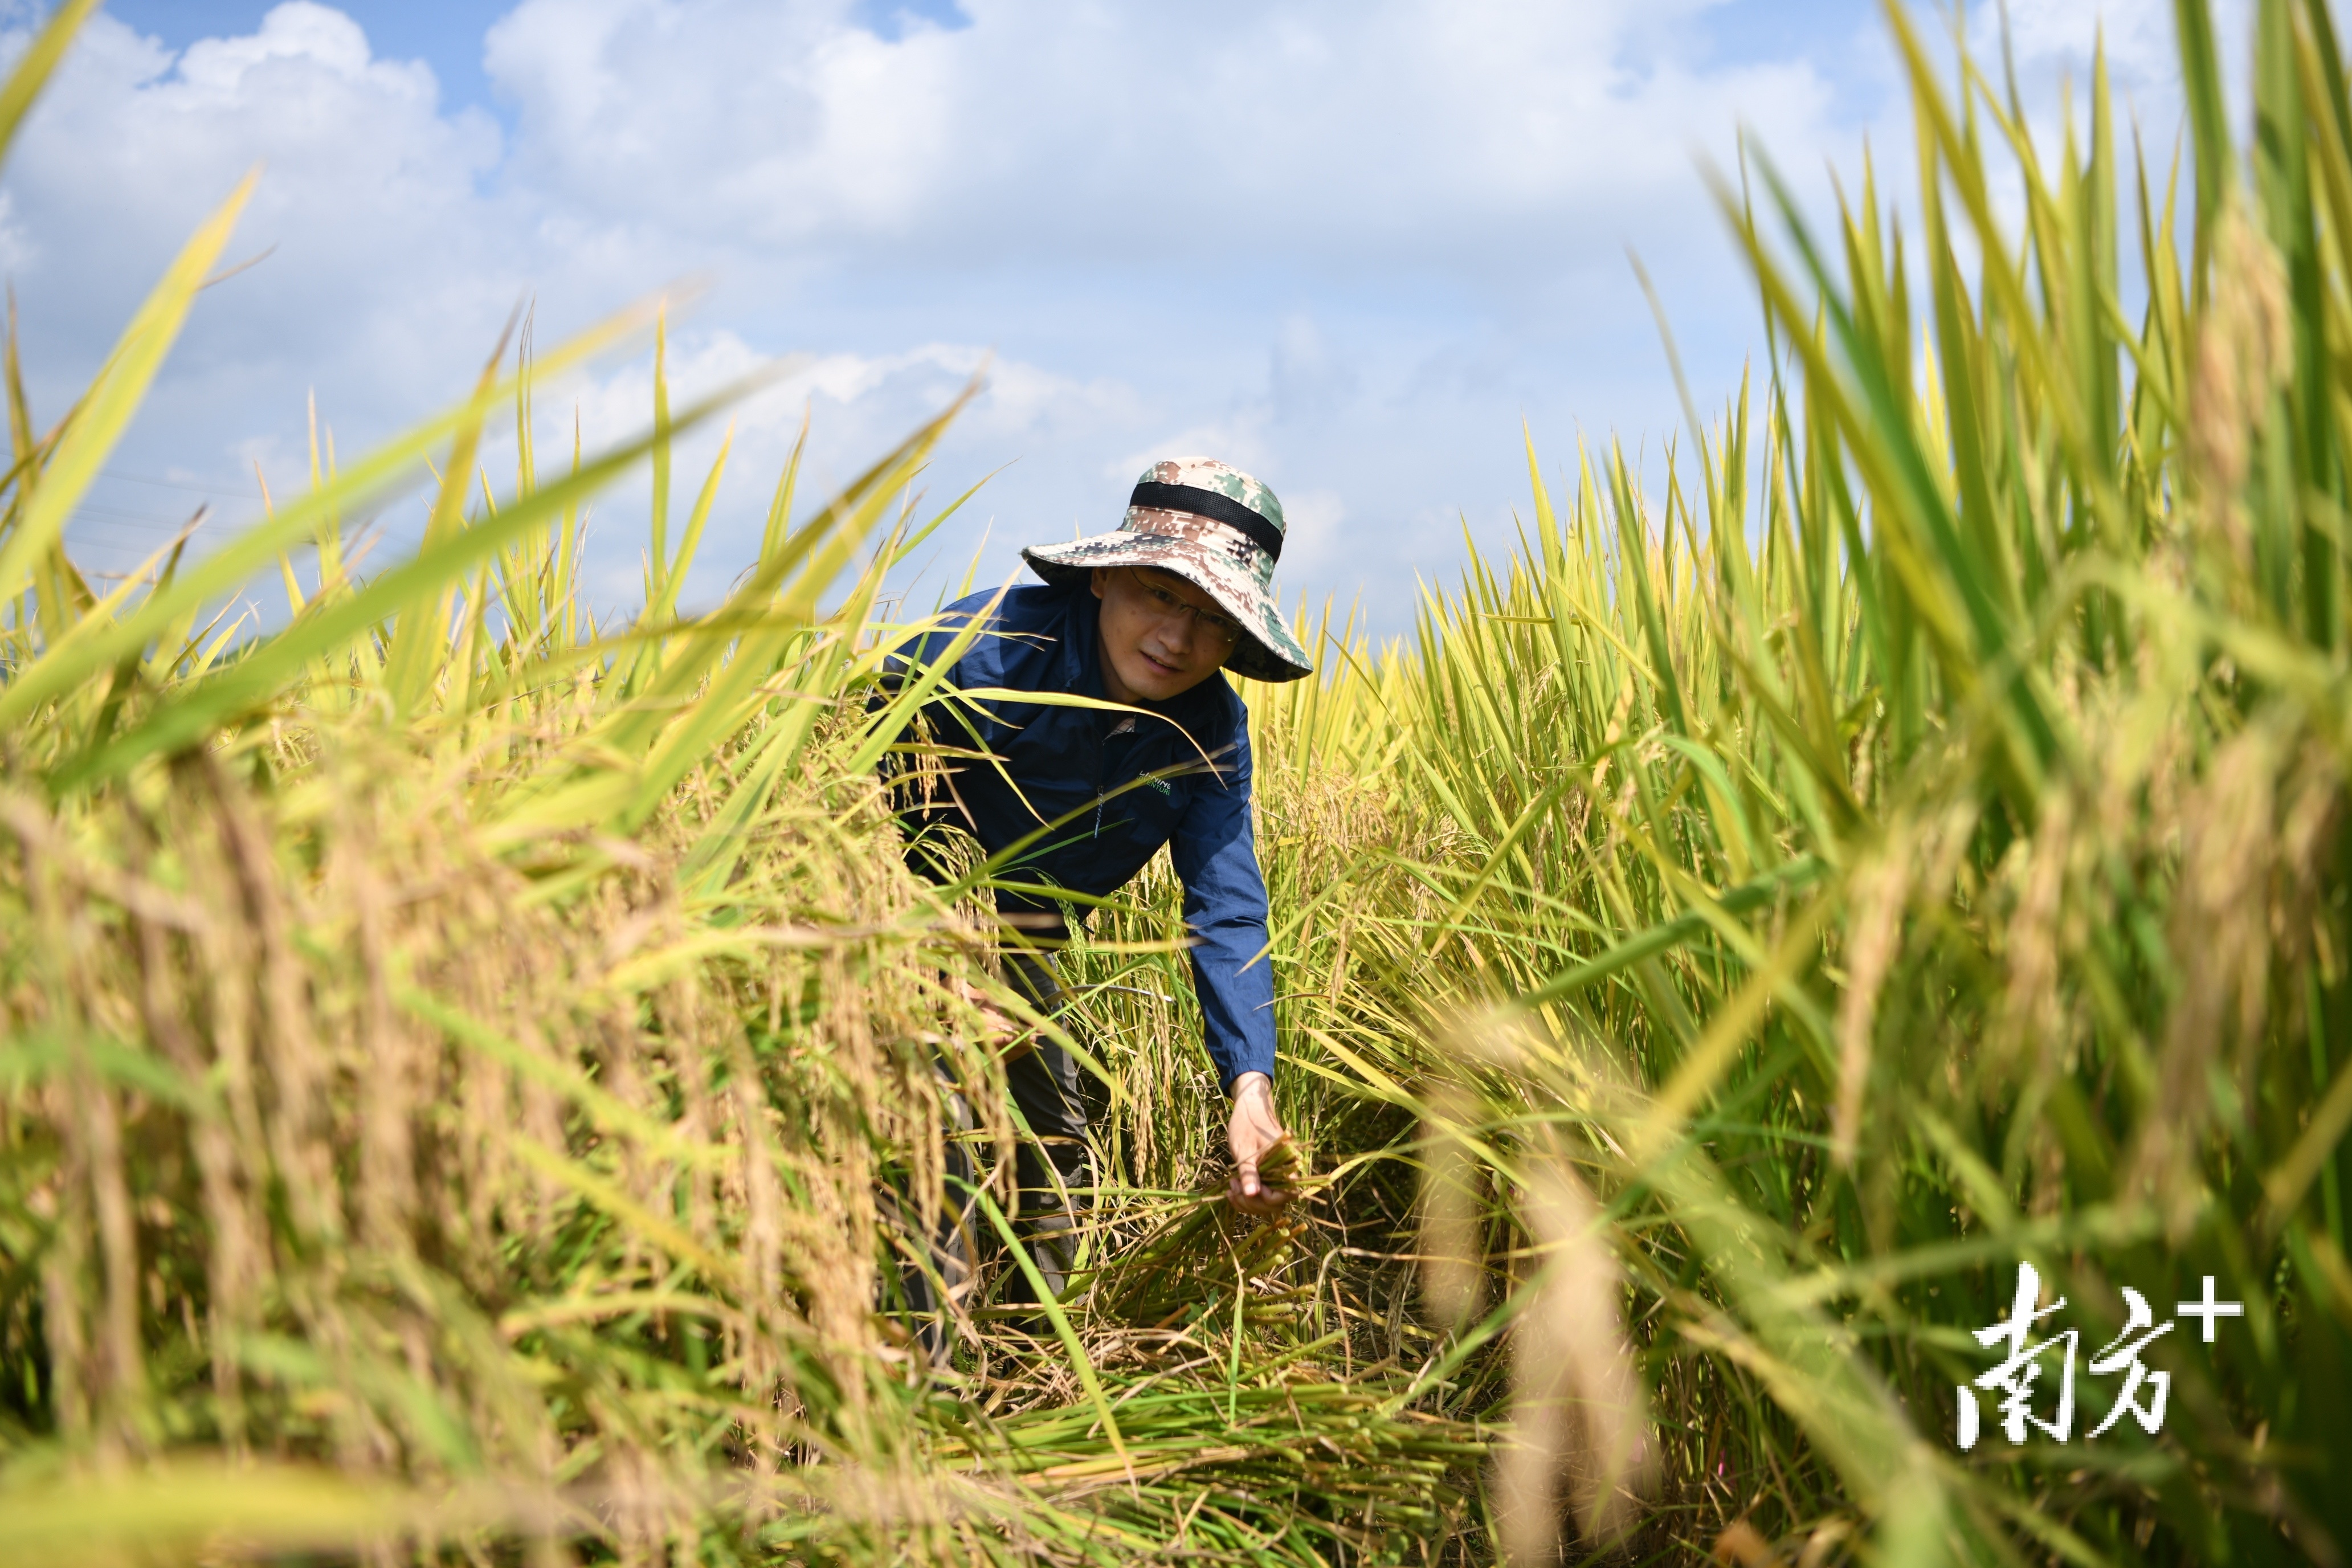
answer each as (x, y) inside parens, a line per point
(114, 517)
(182, 485)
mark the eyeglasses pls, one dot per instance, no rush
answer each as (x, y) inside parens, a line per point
(1221, 629)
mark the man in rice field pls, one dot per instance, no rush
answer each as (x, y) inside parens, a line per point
(1081, 798)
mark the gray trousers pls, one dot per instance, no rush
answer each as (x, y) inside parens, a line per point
(1052, 1173)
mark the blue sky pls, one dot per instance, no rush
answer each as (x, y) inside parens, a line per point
(1348, 245)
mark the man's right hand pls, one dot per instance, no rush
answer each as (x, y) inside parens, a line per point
(997, 1031)
(1252, 1132)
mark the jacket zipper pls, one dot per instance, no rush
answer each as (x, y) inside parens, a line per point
(1102, 777)
(1128, 727)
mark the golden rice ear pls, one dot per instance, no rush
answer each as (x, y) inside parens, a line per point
(1873, 936)
(2245, 354)
(1452, 1206)
(1578, 1415)
(2220, 942)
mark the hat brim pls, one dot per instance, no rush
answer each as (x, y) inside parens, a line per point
(1267, 651)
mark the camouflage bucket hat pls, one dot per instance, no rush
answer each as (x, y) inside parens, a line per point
(1216, 528)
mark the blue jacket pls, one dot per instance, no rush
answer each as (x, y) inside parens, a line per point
(1068, 764)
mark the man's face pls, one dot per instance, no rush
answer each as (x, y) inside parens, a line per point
(1159, 637)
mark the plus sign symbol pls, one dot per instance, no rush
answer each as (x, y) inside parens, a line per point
(2208, 1309)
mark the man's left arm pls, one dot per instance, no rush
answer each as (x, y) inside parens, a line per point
(1215, 857)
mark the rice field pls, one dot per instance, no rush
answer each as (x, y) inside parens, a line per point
(470, 1073)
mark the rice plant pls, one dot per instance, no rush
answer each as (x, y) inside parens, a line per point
(473, 1074)
(1908, 847)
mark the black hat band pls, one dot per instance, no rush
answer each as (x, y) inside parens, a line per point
(1215, 507)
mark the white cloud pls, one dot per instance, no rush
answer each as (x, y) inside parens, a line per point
(1341, 131)
(367, 196)
(298, 30)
